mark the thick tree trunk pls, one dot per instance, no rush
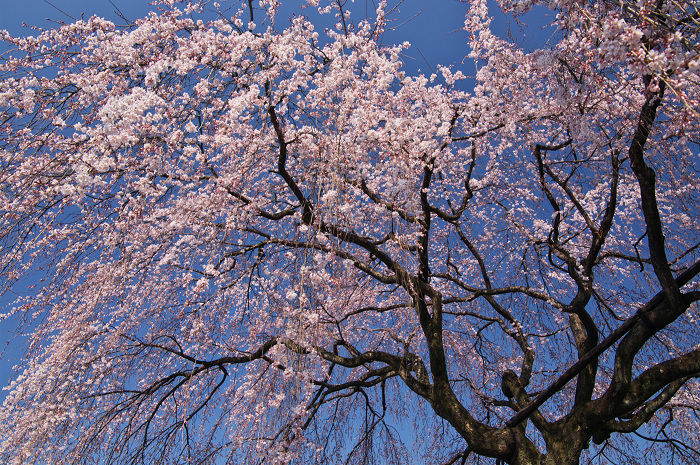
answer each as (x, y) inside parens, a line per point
(564, 447)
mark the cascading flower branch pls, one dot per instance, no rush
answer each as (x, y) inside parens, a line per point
(238, 237)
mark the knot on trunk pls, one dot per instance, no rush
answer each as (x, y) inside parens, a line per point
(510, 384)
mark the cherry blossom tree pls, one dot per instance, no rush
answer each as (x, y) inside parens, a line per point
(253, 240)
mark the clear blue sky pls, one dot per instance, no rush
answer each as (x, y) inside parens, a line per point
(429, 30)
(431, 27)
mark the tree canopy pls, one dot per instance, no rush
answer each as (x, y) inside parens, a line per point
(239, 237)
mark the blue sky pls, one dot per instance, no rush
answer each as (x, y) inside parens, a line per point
(433, 28)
